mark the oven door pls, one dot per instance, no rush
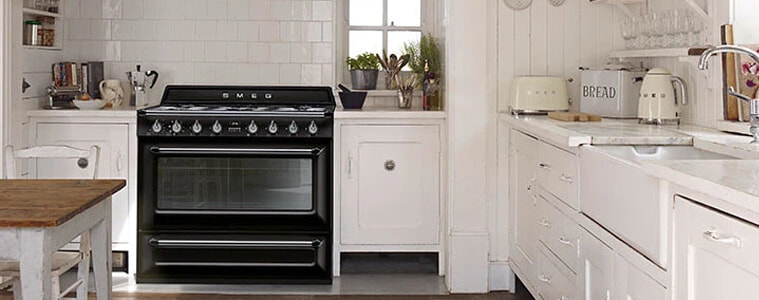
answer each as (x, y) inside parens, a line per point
(235, 187)
(234, 258)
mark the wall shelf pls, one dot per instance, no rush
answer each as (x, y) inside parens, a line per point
(36, 12)
(53, 48)
(652, 53)
(623, 5)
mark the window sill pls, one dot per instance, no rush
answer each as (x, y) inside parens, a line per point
(385, 93)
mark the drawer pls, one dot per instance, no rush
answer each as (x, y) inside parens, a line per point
(557, 173)
(559, 233)
(554, 281)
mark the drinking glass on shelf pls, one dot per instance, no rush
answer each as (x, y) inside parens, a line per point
(628, 33)
(696, 26)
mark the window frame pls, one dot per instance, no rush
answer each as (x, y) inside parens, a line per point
(430, 24)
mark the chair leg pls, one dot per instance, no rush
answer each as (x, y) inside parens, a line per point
(83, 270)
(16, 289)
(56, 286)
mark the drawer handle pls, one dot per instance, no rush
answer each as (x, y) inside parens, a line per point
(565, 241)
(545, 223)
(565, 178)
(546, 167)
(530, 189)
(544, 278)
(713, 236)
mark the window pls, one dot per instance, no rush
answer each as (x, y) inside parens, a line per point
(374, 25)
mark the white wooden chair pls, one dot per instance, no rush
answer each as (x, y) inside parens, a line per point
(62, 260)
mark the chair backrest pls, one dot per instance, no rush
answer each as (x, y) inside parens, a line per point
(87, 160)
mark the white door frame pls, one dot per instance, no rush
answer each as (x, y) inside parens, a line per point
(5, 71)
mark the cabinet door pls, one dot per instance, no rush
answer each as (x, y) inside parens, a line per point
(632, 284)
(715, 254)
(597, 270)
(112, 164)
(524, 160)
(390, 185)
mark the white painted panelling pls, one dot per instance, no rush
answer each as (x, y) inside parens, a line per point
(206, 41)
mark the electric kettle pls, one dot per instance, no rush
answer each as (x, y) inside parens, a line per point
(658, 103)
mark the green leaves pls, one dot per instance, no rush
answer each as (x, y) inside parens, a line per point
(426, 49)
(364, 61)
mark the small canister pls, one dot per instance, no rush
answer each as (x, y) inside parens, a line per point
(32, 32)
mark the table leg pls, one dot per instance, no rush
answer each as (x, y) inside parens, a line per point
(35, 264)
(100, 236)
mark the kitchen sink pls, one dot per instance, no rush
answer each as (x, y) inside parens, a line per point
(640, 153)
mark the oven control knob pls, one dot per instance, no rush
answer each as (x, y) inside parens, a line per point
(176, 127)
(312, 128)
(252, 127)
(293, 128)
(157, 127)
(216, 128)
(197, 128)
(273, 128)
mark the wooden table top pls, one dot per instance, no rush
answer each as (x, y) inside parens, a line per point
(50, 203)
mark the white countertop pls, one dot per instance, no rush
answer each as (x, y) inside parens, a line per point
(387, 113)
(735, 183)
(124, 112)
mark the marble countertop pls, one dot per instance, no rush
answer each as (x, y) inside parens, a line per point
(124, 112)
(388, 113)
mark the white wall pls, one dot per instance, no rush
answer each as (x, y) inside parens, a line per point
(206, 41)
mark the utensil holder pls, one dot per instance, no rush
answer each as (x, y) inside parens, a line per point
(405, 97)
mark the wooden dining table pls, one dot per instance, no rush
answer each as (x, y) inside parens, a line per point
(38, 217)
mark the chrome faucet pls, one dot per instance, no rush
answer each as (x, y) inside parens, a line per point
(703, 64)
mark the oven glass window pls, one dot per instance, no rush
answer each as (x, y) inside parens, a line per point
(240, 184)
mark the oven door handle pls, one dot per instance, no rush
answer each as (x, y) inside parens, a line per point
(249, 151)
(155, 242)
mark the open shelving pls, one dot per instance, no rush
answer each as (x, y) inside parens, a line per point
(55, 21)
(660, 52)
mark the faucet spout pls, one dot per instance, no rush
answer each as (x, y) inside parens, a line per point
(703, 63)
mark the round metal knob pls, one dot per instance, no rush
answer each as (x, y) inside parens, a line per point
(252, 127)
(216, 128)
(312, 128)
(197, 128)
(157, 127)
(390, 165)
(176, 127)
(293, 128)
(273, 128)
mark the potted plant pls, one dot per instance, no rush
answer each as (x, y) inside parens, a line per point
(425, 61)
(364, 69)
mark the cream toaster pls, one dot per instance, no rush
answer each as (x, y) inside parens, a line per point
(538, 95)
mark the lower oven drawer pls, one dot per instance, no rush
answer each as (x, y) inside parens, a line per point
(233, 258)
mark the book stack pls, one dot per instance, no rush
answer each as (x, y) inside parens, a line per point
(86, 76)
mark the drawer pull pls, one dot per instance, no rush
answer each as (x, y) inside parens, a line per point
(544, 278)
(530, 189)
(713, 236)
(545, 223)
(546, 167)
(565, 178)
(565, 241)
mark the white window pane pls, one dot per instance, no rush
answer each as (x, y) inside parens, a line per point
(404, 13)
(364, 41)
(365, 12)
(396, 40)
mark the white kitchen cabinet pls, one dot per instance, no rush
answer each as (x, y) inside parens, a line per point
(554, 280)
(633, 284)
(114, 148)
(390, 185)
(559, 233)
(597, 270)
(714, 254)
(523, 204)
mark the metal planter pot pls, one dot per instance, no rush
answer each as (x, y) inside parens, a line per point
(364, 79)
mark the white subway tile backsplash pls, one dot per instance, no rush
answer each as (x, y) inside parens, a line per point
(226, 30)
(302, 10)
(290, 31)
(322, 10)
(237, 9)
(237, 52)
(269, 31)
(258, 10)
(280, 10)
(322, 53)
(289, 73)
(205, 30)
(194, 51)
(216, 52)
(247, 31)
(258, 52)
(279, 52)
(301, 53)
(252, 42)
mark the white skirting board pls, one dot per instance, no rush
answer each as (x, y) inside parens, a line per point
(468, 264)
(501, 277)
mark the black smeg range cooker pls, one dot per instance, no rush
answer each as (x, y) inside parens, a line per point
(235, 185)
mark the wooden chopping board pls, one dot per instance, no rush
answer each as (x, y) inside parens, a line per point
(574, 117)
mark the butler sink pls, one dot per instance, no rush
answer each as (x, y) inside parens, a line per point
(618, 194)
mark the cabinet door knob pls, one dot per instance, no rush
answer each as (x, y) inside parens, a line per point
(390, 165)
(83, 163)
